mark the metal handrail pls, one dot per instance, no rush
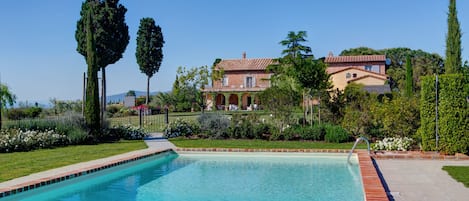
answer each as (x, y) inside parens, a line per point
(355, 145)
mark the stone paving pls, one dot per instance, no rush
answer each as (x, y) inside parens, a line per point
(414, 180)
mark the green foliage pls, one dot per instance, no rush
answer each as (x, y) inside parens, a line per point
(428, 113)
(453, 111)
(360, 112)
(336, 134)
(453, 62)
(23, 113)
(409, 86)
(130, 93)
(297, 132)
(65, 106)
(92, 93)
(214, 125)
(423, 63)
(280, 102)
(109, 30)
(6, 97)
(126, 132)
(149, 49)
(293, 44)
(186, 94)
(181, 127)
(400, 117)
(248, 127)
(453, 114)
(14, 140)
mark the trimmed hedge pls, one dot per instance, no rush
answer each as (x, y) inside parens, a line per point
(427, 113)
(453, 114)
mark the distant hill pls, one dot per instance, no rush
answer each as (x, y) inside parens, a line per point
(117, 98)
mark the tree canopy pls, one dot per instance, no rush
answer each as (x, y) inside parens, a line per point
(110, 31)
(423, 63)
(453, 62)
(149, 49)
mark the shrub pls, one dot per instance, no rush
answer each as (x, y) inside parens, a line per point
(262, 131)
(181, 127)
(393, 144)
(453, 114)
(214, 125)
(315, 132)
(127, 132)
(12, 140)
(336, 134)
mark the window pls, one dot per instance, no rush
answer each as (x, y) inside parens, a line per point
(224, 81)
(348, 75)
(354, 75)
(368, 68)
(372, 68)
(249, 82)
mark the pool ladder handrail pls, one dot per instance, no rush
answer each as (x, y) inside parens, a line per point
(355, 145)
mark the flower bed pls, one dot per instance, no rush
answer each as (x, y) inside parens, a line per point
(12, 140)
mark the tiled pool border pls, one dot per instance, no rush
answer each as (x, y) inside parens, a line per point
(373, 189)
(23, 187)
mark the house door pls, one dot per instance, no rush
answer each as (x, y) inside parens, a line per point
(249, 101)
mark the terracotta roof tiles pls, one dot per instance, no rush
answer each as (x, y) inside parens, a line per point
(244, 64)
(363, 58)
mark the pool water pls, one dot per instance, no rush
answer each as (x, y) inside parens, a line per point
(215, 176)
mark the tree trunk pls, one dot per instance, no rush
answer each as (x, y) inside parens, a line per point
(103, 98)
(92, 90)
(148, 90)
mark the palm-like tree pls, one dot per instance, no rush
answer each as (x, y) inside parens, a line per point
(293, 43)
(6, 97)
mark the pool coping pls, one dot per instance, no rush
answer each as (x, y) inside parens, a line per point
(65, 173)
(372, 186)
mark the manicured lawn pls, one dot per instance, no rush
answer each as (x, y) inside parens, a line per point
(19, 164)
(261, 144)
(459, 173)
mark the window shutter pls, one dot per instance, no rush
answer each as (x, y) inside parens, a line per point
(245, 82)
(253, 81)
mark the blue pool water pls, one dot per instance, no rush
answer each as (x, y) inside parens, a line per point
(215, 176)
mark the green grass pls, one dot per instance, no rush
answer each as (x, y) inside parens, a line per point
(459, 173)
(14, 165)
(261, 144)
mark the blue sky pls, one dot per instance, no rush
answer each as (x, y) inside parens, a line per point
(38, 58)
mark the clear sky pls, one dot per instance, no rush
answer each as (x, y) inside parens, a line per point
(38, 58)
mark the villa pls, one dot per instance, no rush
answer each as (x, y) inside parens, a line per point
(245, 78)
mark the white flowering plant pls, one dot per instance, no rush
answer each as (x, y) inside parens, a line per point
(129, 132)
(393, 144)
(181, 127)
(12, 140)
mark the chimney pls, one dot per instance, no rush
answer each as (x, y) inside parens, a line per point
(330, 54)
(244, 55)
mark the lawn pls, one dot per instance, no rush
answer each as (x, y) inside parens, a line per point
(261, 144)
(459, 173)
(20, 164)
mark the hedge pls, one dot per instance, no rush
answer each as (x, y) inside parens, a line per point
(453, 114)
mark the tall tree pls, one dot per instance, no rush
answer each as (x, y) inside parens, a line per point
(453, 61)
(110, 32)
(6, 97)
(149, 49)
(92, 93)
(409, 80)
(293, 44)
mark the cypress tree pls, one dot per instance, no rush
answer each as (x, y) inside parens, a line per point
(409, 84)
(92, 93)
(453, 61)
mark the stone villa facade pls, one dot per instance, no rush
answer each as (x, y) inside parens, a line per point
(245, 78)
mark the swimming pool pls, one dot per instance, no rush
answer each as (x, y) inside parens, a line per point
(215, 176)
